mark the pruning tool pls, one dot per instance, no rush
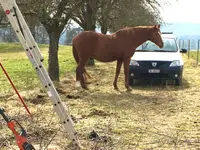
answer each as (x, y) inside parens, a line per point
(20, 137)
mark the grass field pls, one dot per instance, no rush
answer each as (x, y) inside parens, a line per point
(150, 117)
(193, 55)
(15, 61)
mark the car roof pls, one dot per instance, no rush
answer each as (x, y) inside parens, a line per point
(168, 35)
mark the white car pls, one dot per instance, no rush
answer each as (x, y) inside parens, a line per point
(151, 62)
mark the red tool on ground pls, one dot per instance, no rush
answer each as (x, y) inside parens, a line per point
(11, 123)
(20, 137)
(15, 88)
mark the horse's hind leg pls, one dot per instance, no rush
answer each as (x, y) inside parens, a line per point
(80, 78)
(118, 68)
(81, 69)
(126, 73)
(87, 74)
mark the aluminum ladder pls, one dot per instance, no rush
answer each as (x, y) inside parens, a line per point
(33, 52)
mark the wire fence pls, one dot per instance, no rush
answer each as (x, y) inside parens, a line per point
(192, 47)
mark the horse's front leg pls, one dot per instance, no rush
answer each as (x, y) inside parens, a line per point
(118, 68)
(126, 73)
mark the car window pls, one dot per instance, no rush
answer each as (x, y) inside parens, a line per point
(169, 46)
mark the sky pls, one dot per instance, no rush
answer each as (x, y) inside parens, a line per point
(182, 11)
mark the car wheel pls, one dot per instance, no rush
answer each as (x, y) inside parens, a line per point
(130, 81)
(178, 82)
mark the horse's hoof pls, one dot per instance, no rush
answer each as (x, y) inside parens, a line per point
(116, 88)
(78, 84)
(85, 87)
(129, 89)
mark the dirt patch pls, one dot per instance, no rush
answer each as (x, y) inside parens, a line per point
(98, 112)
(35, 96)
(149, 117)
(72, 96)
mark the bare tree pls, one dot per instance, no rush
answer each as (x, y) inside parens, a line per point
(86, 17)
(54, 15)
(116, 14)
(72, 32)
(111, 15)
(86, 14)
(3, 20)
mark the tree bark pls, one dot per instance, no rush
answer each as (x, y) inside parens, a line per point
(88, 20)
(104, 29)
(91, 62)
(53, 68)
(31, 21)
(90, 26)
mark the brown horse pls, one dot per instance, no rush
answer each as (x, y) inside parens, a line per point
(118, 46)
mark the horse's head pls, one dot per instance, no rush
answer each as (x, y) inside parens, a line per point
(155, 36)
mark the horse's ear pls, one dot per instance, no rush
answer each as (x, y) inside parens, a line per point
(157, 26)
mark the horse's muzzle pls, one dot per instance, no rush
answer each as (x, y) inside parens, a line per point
(161, 44)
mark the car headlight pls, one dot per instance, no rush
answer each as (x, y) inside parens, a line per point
(134, 63)
(175, 63)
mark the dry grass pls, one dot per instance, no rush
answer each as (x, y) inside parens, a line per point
(149, 117)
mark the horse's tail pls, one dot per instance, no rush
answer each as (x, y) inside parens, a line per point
(76, 57)
(75, 54)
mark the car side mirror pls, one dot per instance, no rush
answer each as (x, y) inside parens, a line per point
(183, 50)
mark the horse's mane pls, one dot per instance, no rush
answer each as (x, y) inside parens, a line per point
(128, 29)
(143, 27)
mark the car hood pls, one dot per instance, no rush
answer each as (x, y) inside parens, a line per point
(157, 56)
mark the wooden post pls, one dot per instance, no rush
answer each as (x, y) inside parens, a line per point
(188, 49)
(198, 52)
(179, 43)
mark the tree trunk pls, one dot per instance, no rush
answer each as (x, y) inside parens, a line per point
(91, 62)
(53, 67)
(90, 20)
(31, 21)
(104, 29)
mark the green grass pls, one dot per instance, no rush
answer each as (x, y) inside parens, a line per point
(20, 70)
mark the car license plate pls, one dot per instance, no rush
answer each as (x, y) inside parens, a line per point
(154, 71)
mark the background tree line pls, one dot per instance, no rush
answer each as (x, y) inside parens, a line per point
(47, 19)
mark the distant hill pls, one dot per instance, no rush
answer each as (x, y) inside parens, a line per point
(182, 28)
(184, 32)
